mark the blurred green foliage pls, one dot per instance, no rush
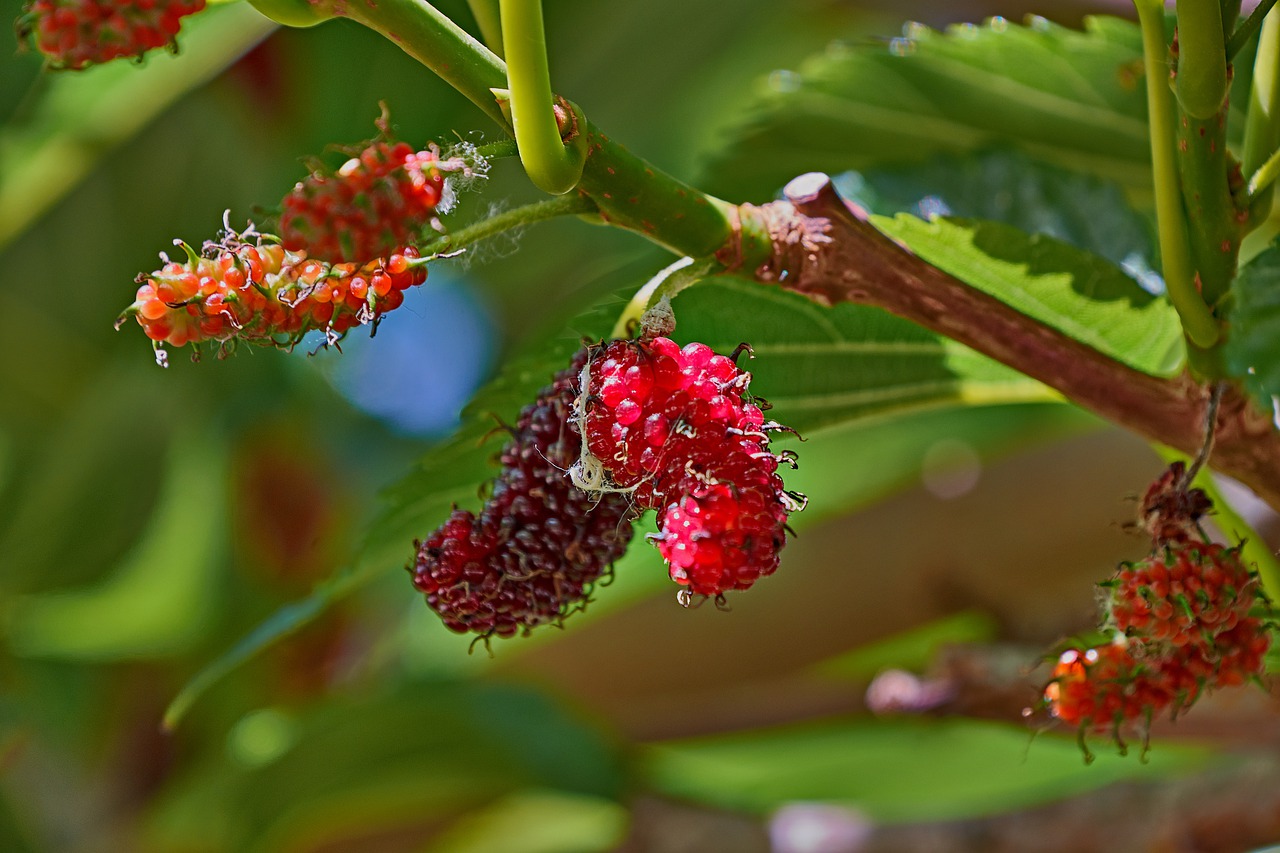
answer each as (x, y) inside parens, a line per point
(241, 518)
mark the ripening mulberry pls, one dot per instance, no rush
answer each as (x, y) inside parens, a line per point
(676, 429)
(1106, 689)
(1184, 594)
(379, 200)
(539, 545)
(1187, 619)
(256, 291)
(76, 33)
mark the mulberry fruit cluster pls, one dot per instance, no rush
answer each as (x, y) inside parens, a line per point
(1188, 618)
(376, 202)
(535, 551)
(254, 290)
(677, 431)
(76, 33)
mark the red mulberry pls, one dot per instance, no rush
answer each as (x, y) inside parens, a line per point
(677, 430)
(78, 33)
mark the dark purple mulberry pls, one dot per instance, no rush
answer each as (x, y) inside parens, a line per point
(538, 546)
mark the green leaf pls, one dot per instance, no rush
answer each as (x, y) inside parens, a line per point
(158, 601)
(1252, 351)
(1078, 293)
(897, 770)
(538, 822)
(823, 367)
(82, 115)
(1004, 185)
(1068, 97)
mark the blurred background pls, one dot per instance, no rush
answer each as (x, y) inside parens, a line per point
(867, 697)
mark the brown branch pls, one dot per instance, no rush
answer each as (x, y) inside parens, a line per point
(827, 251)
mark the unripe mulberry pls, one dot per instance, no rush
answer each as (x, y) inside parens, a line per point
(676, 429)
(1184, 594)
(76, 33)
(256, 291)
(539, 545)
(379, 200)
(1187, 619)
(1106, 689)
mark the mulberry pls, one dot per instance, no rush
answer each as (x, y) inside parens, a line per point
(76, 33)
(677, 430)
(382, 198)
(537, 548)
(257, 291)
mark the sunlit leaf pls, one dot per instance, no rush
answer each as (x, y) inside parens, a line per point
(1080, 294)
(1005, 185)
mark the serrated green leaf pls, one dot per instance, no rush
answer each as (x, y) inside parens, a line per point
(896, 770)
(821, 367)
(1252, 351)
(1078, 293)
(1069, 97)
(1005, 185)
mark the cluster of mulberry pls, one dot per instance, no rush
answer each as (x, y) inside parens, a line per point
(1186, 619)
(665, 428)
(677, 430)
(535, 551)
(250, 288)
(74, 34)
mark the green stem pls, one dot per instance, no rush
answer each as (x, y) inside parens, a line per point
(490, 23)
(430, 37)
(454, 241)
(1230, 15)
(1262, 124)
(1263, 178)
(633, 194)
(1247, 28)
(1202, 58)
(1197, 321)
(628, 191)
(498, 150)
(553, 166)
(667, 283)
